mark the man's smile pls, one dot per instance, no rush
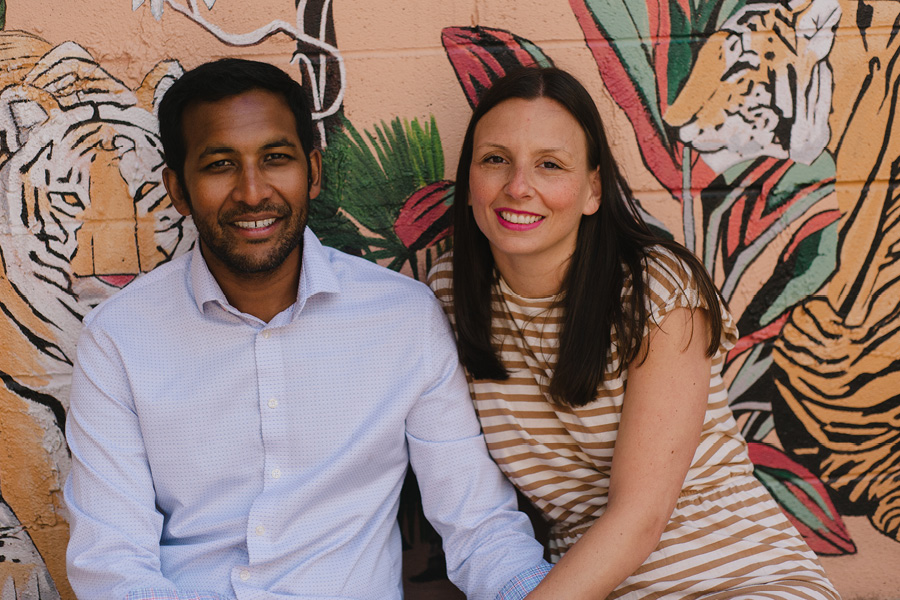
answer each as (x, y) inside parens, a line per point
(255, 224)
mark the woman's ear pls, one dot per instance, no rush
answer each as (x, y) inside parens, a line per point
(593, 203)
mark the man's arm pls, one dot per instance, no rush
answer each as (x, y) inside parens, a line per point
(489, 544)
(115, 535)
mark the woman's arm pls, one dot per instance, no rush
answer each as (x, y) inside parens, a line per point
(662, 416)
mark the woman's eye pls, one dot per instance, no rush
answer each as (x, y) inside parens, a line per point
(549, 164)
(493, 159)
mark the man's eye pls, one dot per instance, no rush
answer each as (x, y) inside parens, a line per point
(217, 165)
(278, 156)
(549, 164)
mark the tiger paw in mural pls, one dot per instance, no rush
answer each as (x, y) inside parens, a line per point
(838, 370)
(19, 578)
(83, 212)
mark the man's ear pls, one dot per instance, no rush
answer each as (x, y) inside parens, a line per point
(176, 193)
(593, 203)
(315, 173)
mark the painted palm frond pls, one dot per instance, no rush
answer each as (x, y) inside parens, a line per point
(370, 177)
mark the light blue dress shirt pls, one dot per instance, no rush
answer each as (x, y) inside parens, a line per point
(218, 456)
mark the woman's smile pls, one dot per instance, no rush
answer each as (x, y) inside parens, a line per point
(518, 220)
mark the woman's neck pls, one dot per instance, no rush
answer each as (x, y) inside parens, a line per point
(530, 279)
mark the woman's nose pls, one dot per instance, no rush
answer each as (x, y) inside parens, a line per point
(519, 184)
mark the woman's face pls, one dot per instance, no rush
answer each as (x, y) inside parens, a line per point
(530, 184)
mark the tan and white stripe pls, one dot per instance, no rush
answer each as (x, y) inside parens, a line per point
(727, 537)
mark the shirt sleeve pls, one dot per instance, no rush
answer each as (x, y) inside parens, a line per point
(487, 541)
(522, 584)
(113, 548)
(154, 594)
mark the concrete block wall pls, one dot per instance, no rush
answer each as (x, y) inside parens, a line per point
(757, 133)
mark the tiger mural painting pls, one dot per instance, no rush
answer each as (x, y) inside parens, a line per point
(838, 359)
(762, 91)
(83, 211)
(756, 108)
(761, 86)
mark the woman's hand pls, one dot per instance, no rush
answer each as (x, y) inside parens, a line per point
(662, 417)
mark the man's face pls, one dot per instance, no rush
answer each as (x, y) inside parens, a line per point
(246, 182)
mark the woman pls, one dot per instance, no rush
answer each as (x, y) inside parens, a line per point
(594, 353)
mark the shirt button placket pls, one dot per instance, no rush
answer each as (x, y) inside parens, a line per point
(271, 394)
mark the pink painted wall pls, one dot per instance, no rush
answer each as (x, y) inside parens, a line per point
(768, 155)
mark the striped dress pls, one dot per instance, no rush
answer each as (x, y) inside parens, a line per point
(727, 538)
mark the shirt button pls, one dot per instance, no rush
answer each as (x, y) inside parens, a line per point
(265, 334)
(260, 530)
(276, 473)
(245, 575)
(273, 402)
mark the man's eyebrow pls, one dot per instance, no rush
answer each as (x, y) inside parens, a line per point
(279, 143)
(209, 150)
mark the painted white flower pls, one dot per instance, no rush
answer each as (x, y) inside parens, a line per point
(156, 7)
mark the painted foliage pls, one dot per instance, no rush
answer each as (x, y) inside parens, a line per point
(736, 117)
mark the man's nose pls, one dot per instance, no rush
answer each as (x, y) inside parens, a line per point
(252, 186)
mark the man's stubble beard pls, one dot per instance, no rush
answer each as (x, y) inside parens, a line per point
(216, 239)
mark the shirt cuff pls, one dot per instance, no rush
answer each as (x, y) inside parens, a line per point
(155, 594)
(519, 586)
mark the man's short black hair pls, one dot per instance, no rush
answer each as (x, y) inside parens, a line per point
(220, 79)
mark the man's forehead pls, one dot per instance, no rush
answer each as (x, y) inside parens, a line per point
(258, 118)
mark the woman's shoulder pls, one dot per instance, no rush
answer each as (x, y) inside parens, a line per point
(440, 279)
(666, 276)
(670, 283)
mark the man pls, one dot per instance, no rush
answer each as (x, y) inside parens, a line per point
(242, 417)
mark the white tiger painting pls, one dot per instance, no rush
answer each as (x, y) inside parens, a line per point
(82, 212)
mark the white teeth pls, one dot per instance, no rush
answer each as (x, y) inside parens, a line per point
(519, 219)
(255, 224)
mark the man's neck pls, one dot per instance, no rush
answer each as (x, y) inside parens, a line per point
(262, 295)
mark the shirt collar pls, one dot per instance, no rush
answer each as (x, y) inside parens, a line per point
(316, 276)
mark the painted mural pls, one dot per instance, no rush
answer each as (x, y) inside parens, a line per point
(757, 134)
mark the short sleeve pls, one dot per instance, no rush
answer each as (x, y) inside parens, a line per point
(670, 285)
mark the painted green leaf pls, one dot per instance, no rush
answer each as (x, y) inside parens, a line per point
(726, 9)
(803, 498)
(627, 27)
(2, 14)
(680, 54)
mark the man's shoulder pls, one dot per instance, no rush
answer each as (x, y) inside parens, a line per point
(356, 274)
(163, 284)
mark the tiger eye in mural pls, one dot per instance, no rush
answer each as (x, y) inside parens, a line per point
(83, 212)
